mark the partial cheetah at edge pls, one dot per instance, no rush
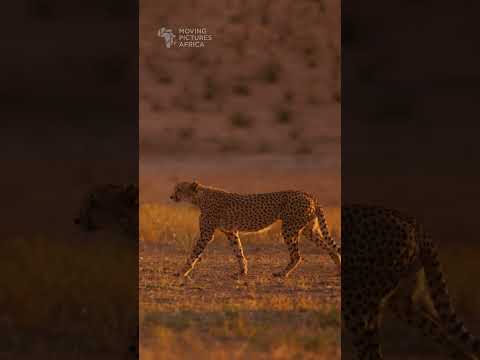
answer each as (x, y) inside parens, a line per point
(390, 261)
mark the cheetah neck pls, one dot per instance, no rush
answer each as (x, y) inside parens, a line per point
(205, 195)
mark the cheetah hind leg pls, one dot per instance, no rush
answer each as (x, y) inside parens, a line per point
(441, 300)
(312, 233)
(291, 240)
(237, 248)
(427, 323)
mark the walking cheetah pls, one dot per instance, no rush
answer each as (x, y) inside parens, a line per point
(232, 213)
(389, 262)
(110, 206)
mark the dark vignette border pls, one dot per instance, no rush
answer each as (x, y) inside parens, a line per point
(69, 122)
(410, 129)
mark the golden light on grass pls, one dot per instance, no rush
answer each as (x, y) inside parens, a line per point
(216, 317)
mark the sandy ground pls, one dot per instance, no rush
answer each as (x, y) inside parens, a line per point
(223, 317)
(212, 280)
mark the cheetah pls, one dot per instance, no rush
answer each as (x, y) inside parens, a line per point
(110, 206)
(390, 262)
(233, 213)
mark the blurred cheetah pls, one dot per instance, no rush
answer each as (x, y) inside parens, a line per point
(232, 213)
(389, 261)
(110, 205)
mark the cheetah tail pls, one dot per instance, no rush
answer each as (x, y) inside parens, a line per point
(324, 229)
(441, 300)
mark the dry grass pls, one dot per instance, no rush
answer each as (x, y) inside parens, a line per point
(84, 302)
(222, 318)
(213, 316)
(160, 222)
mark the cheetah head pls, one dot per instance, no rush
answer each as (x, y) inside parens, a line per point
(107, 205)
(185, 191)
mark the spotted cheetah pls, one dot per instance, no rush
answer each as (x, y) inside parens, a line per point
(233, 213)
(389, 262)
(110, 206)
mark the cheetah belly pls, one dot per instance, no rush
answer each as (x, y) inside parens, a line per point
(233, 221)
(257, 231)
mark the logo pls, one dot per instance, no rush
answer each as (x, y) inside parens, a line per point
(167, 35)
(188, 37)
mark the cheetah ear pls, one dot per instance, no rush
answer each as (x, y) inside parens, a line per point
(194, 186)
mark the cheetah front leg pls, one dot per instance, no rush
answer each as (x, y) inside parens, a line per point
(364, 330)
(206, 235)
(237, 248)
(291, 240)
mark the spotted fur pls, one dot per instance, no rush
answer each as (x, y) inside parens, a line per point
(234, 213)
(391, 262)
(110, 206)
